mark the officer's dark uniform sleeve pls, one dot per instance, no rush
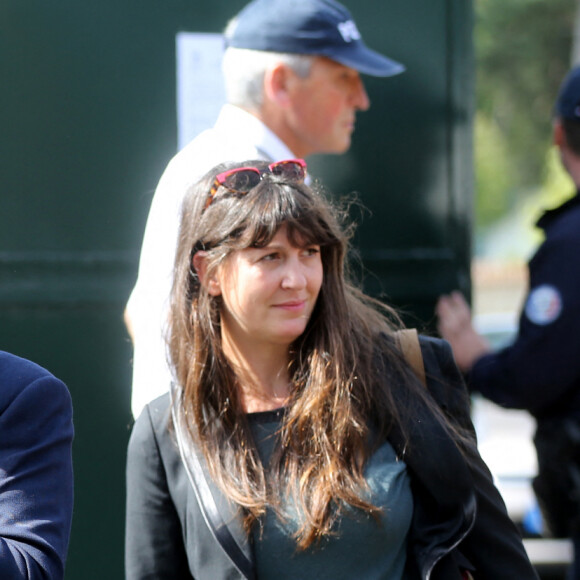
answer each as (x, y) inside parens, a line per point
(543, 362)
(154, 547)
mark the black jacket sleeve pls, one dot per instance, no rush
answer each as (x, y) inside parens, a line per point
(154, 546)
(493, 544)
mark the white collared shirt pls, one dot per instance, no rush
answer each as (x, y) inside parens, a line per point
(236, 136)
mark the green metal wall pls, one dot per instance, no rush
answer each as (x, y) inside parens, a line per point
(87, 125)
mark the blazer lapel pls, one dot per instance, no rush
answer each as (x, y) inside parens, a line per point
(219, 514)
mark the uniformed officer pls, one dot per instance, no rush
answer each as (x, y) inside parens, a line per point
(540, 371)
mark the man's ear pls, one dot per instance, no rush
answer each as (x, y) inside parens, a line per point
(276, 83)
(558, 135)
(210, 283)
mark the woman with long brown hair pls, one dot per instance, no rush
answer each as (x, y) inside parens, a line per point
(297, 441)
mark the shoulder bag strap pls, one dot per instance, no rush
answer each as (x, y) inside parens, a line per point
(408, 343)
(205, 499)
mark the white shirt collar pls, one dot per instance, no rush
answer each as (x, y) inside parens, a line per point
(232, 118)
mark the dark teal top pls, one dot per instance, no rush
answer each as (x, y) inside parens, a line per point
(365, 548)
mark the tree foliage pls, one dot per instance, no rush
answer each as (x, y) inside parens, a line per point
(523, 50)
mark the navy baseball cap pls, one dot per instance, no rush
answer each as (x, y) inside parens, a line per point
(568, 102)
(313, 27)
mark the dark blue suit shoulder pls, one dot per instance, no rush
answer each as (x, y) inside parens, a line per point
(18, 374)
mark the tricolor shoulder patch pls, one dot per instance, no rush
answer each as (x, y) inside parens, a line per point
(544, 305)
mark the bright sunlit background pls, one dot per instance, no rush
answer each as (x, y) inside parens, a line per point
(523, 50)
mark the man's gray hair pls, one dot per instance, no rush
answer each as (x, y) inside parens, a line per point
(244, 71)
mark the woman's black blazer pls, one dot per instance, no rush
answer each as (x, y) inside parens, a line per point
(459, 520)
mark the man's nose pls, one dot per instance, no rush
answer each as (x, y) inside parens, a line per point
(360, 97)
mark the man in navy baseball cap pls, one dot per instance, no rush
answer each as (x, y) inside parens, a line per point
(295, 64)
(293, 87)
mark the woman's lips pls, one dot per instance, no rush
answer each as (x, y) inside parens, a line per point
(292, 305)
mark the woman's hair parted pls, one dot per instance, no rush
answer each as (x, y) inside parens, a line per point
(338, 390)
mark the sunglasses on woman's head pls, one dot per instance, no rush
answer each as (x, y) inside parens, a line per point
(243, 179)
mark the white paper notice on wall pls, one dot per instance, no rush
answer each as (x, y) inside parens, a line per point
(200, 86)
